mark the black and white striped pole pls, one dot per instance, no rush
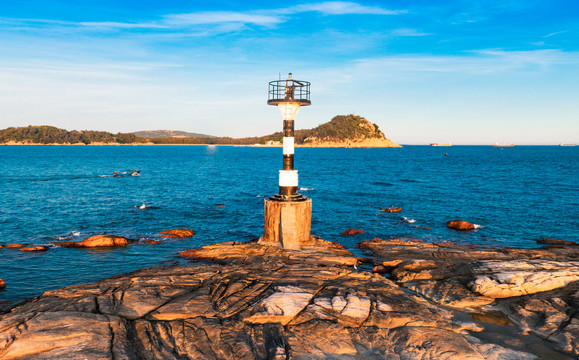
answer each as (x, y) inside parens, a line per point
(289, 95)
(288, 214)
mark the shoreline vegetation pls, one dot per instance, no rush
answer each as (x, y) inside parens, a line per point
(346, 131)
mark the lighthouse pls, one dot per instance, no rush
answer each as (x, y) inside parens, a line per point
(288, 213)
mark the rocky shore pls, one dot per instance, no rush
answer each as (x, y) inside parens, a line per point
(248, 300)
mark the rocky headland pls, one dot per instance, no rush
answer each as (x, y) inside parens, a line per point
(348, 131)
(250, 300)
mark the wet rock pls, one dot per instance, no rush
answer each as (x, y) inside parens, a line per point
(460, 225)
(2, 284)
(34, 248)
(379, 269)
(391, 209)
(549, 241)
(97, 241)
(177, 233)
(150, 241)
(14, 246)
(103, 241)
(348, 232)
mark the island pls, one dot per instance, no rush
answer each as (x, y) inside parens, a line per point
(349, 131)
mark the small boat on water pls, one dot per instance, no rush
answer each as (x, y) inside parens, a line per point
(566, 144)
(441, 144)
(503, 145)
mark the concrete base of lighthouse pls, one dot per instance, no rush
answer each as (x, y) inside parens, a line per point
(287, 223)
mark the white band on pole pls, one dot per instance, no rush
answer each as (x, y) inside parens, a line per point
(288, 178)
(288, 145)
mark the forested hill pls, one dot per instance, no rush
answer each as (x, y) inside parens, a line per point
(52, 135)
(341, 131)
(340, 128)
(151, 134)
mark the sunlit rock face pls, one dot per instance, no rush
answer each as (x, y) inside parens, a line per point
(536, 289)
(288, 305)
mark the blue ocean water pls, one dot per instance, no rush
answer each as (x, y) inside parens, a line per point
(49, 193)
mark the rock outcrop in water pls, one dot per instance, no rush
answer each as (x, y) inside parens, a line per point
(271, 309)
(97, 241)
(177, 233)
(38, 248)
(2, 284)
(460, 225)
(536, 289)
(349, 232)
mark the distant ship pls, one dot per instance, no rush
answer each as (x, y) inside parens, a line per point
(503, 145)
(439, 144)
(566, 144)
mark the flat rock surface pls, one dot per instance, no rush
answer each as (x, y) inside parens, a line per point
(259, 302)
(233, 312)
(536, 289)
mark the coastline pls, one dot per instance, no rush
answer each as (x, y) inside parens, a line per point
(352, 145)
(236, 301)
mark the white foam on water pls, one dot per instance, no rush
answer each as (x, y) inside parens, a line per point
(478, 226)
(306, 189)
(410, 221)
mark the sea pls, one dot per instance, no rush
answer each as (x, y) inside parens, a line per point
(514, 195)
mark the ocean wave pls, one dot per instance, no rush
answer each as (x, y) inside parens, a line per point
(145, 207)
(410, 221)
(307, 189)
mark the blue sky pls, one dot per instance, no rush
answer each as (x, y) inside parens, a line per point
(466, 72)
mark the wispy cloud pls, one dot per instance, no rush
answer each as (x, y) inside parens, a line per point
(221, 17)
(341, 8)
(473, 63)
(407, 32)
(259, 17)
(555, 33)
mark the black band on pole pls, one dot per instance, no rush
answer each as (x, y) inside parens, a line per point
(288, 190)
(288, 128)
(288, 162)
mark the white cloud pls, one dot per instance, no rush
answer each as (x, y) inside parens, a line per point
(341, 8)
(479, 61)
(261, 17)
(220, 17)
(555, 33)
(407, 32)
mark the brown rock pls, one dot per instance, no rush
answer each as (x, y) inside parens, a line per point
(34, 248)
(2, 284)
(150, 241)
(13, 246)
(103, 241)
(460, 225)
(468, 279)
(177, 233)
(379, 269)
(549, 241)
(317, 251)
(352, 232)
(391, 209)
(500, 279)
(241, 311)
